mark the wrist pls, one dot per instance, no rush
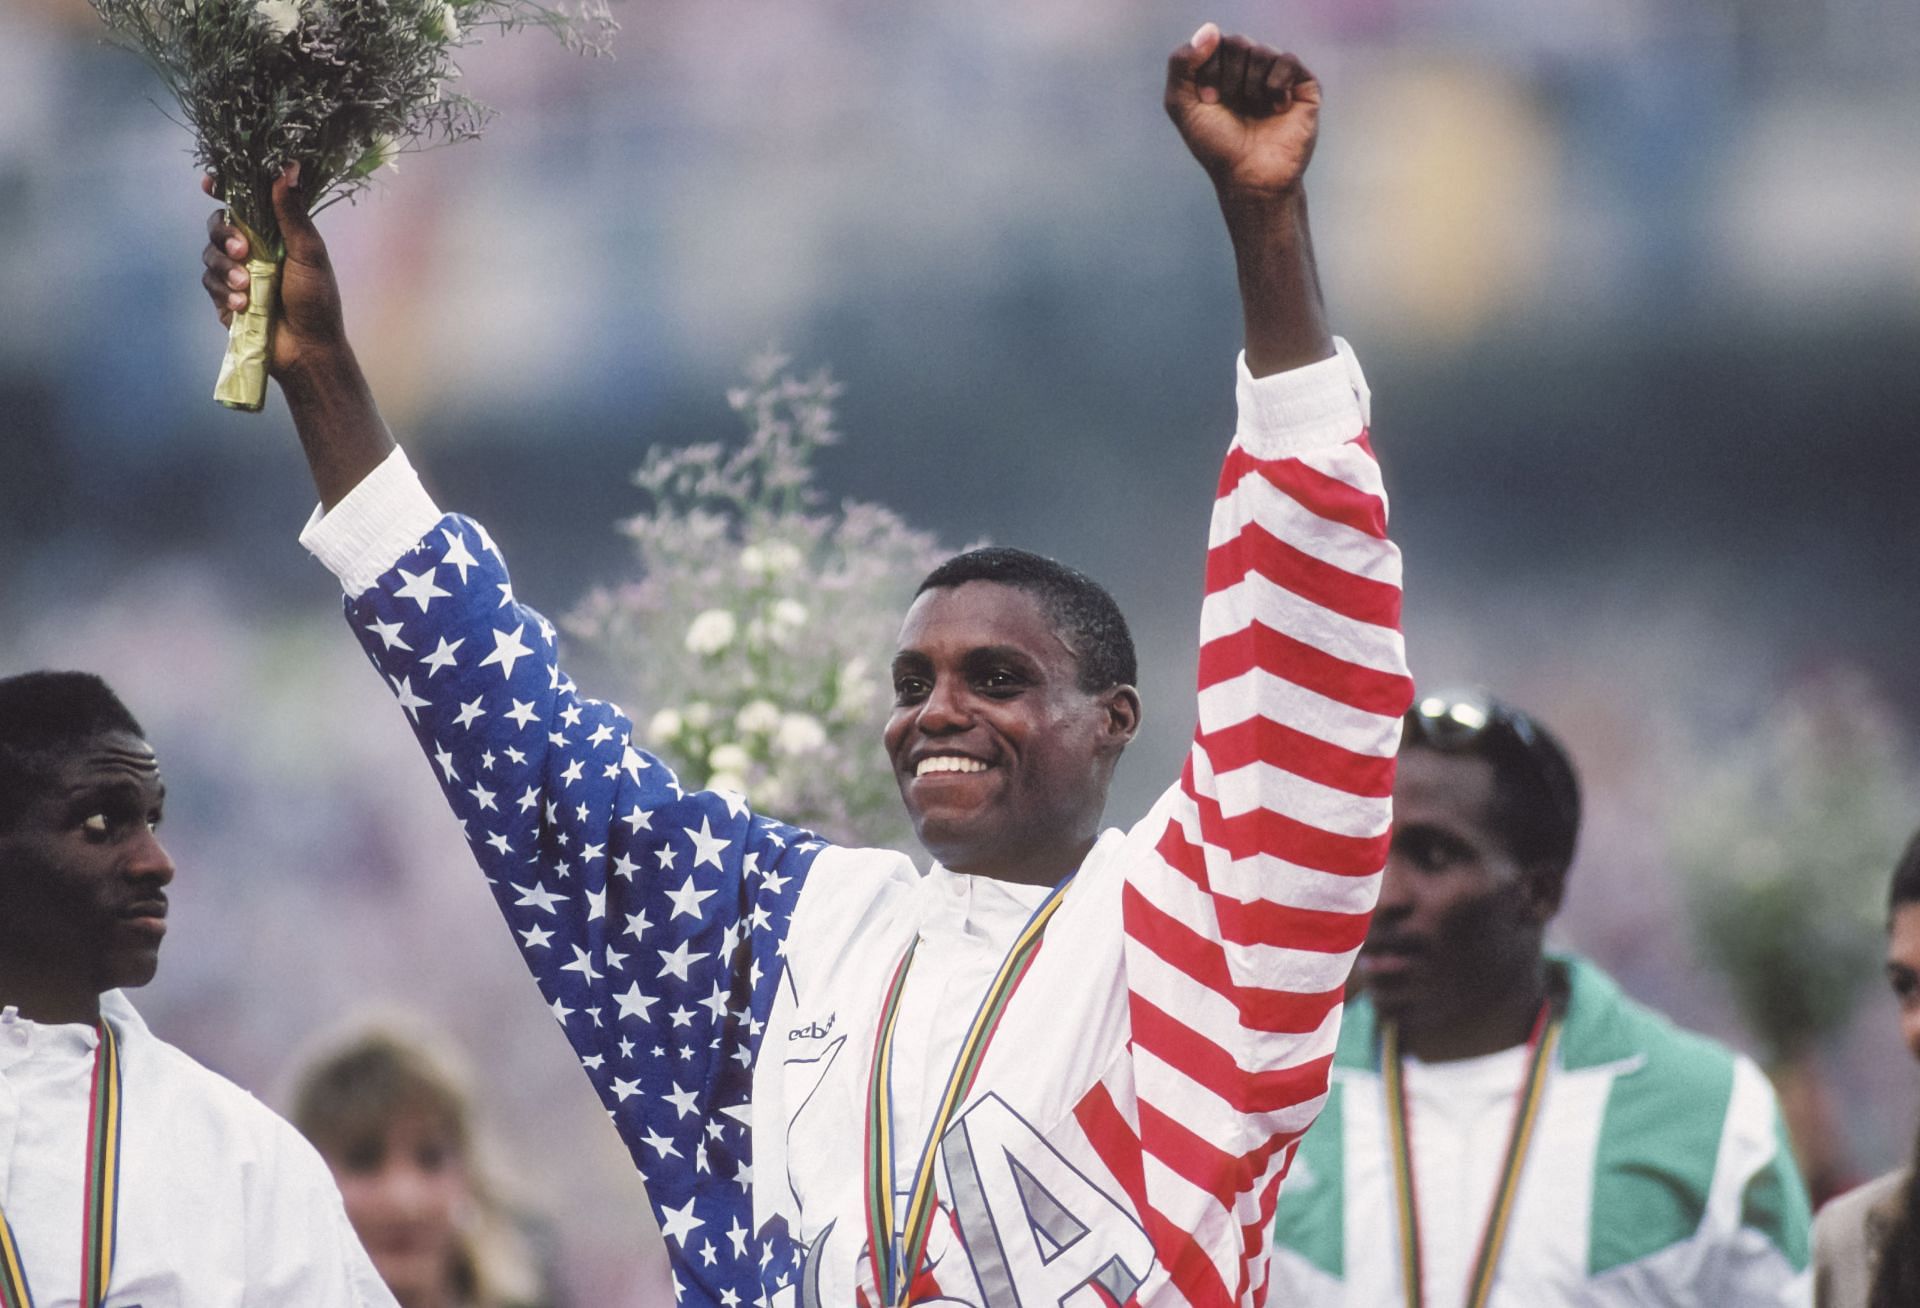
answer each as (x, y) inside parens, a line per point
(1258, 216)
(1286, 323)
(313, 368)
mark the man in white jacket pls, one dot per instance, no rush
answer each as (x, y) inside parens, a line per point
(126, 1168)
(845, 1083)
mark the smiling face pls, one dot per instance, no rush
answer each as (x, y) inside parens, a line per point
(1002, 759)
(1460, 921)
(83, 902)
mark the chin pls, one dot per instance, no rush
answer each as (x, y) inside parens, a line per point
(1399, 1004)
(134, 972)
(951, 843)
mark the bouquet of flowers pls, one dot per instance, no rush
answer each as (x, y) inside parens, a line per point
(759, 628)
(338, 86)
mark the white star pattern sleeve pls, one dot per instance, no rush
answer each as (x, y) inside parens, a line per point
(1242, 926)
(652, 917)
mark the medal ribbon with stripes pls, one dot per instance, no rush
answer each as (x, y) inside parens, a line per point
(896, 1260)
(1540, 1045)
(101, 1204)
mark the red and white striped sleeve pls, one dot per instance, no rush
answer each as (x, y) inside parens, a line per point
(1241, 930)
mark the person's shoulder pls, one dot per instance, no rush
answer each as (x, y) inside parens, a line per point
(196, 1096)
(1848, 1216)
(843, 872)
(1607, 1025)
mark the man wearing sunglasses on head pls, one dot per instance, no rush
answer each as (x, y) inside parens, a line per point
(1506, 1128)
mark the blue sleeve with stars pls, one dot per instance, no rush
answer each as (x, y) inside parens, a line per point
(652, 918)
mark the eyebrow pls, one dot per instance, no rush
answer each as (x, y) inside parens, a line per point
(999, 654)
(913, 660)
(116, 786)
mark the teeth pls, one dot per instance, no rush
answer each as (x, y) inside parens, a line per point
(948, 763)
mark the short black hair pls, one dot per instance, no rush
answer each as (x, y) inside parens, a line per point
(1906, 877)
(1536, 792)
(1079, 607)
(43, 714)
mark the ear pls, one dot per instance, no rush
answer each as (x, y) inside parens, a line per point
(1120, 709)
(1545, 888)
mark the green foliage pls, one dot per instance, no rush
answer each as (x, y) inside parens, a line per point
(339, 86)
(1788, 837)
(760, 626)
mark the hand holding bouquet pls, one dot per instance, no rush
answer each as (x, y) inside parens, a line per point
(338, 87)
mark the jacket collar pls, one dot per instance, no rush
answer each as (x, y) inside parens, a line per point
(1599, 1029)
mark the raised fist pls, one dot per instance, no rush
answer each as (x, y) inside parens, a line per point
(1248, 112)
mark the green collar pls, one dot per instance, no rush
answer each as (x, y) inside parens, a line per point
(1601, 1026)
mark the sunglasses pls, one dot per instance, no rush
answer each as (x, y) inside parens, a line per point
(1472, 722)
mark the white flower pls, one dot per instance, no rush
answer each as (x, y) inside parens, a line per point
(449, 25)
(759, 718)
(699, 715)
(782, 558)
(711, 632)
(280, 16)
(775, 559)
(789, 613)
(800, 733)
(856, 685)
(384, 150)
(773, 793)
(664, 726)
(729, 758)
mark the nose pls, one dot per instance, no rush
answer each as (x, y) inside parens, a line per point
(409, 1190)
(945, 709)
(1910, 1027)
(150, 860)
(1396, 889)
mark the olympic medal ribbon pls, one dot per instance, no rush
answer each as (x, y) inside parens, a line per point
(894, 1271)
(100, 1205)
(1541, 1044)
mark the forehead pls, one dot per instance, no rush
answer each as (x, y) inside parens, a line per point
(108, 758)
(1448, 789)
(954, 619)
(1903, 936)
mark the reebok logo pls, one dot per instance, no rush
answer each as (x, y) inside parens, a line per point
(812, 1030)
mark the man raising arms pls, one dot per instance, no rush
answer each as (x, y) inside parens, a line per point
(1066, 1066)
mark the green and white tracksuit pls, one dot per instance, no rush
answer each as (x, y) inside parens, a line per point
(1658, 1173)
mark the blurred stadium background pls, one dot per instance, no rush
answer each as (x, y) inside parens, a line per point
(1637, 283)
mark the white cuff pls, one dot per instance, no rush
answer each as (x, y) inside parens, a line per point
(1288, 413)
(377, 523)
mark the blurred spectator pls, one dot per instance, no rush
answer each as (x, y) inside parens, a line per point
(1538, 1137)
(1866, 1246)
(393, 1116)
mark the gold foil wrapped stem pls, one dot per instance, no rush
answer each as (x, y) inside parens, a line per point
(243, 372)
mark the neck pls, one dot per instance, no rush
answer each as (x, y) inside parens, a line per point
(53, 1001)
(1500, 1021)
(1038, 871)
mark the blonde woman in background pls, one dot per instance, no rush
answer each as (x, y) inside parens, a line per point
(391, 1113)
